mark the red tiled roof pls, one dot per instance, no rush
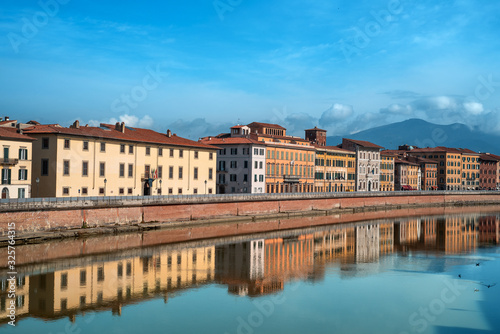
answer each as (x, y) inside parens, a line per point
(406, 162)
(363, 143)
(108, 131)
(237, 126)
(229, 141)
(267, 125)
(392, 152)
(11, 133)
(280, 137)
(8, 121)
(489, 157)
(467, 151)
(315, 129)
(333, 148)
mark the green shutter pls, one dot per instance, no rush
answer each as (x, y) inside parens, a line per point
(8, 177)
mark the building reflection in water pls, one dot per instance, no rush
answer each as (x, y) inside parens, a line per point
(250, 268)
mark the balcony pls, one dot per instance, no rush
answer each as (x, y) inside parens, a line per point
(291, 178)
(8, 162)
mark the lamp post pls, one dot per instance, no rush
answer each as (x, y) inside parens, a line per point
(160, 187)
(205, 187)
(105, 181)
(37, 182)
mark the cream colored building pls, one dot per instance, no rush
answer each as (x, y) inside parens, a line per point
(15, 162)
(116, 160)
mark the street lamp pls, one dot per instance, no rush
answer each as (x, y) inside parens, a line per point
(160, 187)
(105, 181)
(205, 187)
(37, 182)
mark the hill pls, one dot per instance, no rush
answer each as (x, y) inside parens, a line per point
(420, 133)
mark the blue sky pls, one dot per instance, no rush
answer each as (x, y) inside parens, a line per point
(198, 67)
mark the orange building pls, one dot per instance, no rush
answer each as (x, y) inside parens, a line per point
(289, 159)
(331, 173)
(489, 173)
(386, 171)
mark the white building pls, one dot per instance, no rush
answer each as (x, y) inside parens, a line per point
(367, 163)
(241, 162)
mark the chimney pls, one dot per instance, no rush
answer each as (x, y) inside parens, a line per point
(169, 133)
(6, 118)
(117, 126)
(19, 130)
(122, 127)
(76, 124)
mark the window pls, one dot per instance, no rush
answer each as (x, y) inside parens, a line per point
(101, 191)
(148, 150)
(234, 164)
(23, 174)
(103, 147)
(64, 281)
(262, 151)
(170, 191)
(180, 172)
(195, 173)
(170, 172)
(83, 277)
(196, 154)
(130, 149)
(181, 153)
(195, 191)
(45, 143)
(21, 193)
(232, 177)
(45, 167)
(209, 190)
(66, 167)
(122, 170)
(171, 152)
(160, 172)
(210, 156)
(180, 191)
(85, 145)
(100, 274)
(234, 151)
(85, 191)
(129, 191)
(6, 176)
(85, 168)
(102, 169)
(160, 151)
(245, 164)
(23, 154)
(210, 173)
(130, 170)
(245, 177)
(122, 148)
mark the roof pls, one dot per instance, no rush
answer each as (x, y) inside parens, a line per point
(406, 162)
(315, 129)
(229, 141)
(363, 143)
(280, 137)
(8, 121)
(11, 133)
(267, 125)
(334, 148)
(108, 131)
(489, 157)
(467, 151)
(392, 152)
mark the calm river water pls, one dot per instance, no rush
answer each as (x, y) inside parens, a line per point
(409, 275)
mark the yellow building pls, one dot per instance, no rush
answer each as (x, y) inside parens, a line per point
(387, 171)
(289, 160)
(116, 160)
(111, 284)
(470, 169)
(331, 173)
(15, 162)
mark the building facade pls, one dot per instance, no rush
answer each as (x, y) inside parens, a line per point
(387, 171)
(15, 162)
(367, 163)
(470, 169)
(489, 171)
(289, 159)
(241, 163)
(116, 160)
(331, 173)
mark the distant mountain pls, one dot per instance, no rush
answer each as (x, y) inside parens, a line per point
(420, 133)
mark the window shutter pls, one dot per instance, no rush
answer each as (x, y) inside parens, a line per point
(8, 176)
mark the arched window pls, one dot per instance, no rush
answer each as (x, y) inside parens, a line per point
(5, 193)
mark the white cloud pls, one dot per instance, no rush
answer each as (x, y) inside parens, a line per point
(336, 113)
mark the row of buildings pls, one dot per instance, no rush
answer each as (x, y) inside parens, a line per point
(48, 160)
(250, 268)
